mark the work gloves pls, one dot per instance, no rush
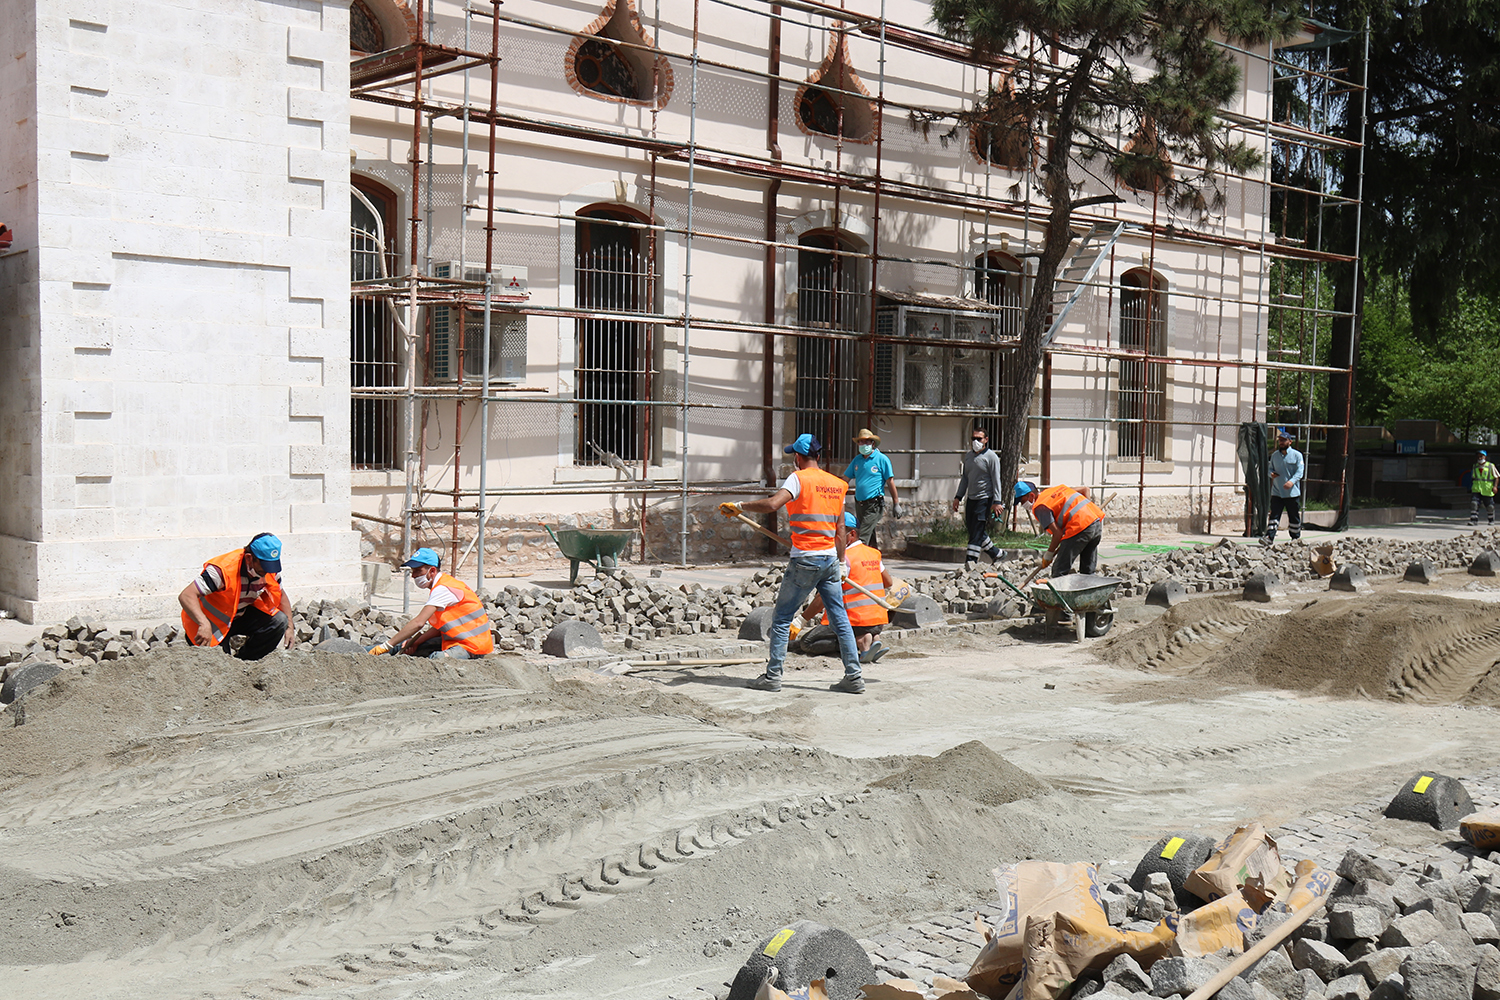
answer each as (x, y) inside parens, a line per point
(729, 509)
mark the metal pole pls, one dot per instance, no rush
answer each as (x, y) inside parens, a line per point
(687, 281)
(411, 317)
(484, 428)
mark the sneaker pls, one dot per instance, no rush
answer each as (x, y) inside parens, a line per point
(849, 685)
(874, 653)
(765, 682)
(1267, 541)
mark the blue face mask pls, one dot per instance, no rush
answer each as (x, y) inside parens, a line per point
(866, 449)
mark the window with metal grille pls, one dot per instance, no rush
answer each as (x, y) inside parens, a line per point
(612, 275)
(831, 296)
(1141, 398)
(374, 357)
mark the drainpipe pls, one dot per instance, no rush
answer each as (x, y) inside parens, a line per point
(768, 280)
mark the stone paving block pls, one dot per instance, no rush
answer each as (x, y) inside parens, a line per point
(1348, 921)
(1391, 989)
(1324, 960)
(1411, 930)
(1348, 988)
(1433, 973)
(1181, 975)
(1275, 972)
(1446, 911)
(1480, 928)
(1126, 972)
(1356, 867)
(1487, 974)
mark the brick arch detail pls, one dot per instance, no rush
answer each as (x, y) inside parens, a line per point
(838, 51)
(597, 25)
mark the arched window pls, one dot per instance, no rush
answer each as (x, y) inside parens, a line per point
(612, 59)
(830, 295)
(1142, 394)
(374, 359)
(1143, 165)
(997, 280)
(834, 101)
(611, 275)
(366, 35)
(1003, 135)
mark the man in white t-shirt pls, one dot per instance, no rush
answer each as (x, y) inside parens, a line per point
(435, 631)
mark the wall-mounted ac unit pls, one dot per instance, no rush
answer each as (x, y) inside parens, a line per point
(511, 280)
(936, 377)
(508, 345)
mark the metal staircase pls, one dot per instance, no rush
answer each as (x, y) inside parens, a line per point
(1074, 278)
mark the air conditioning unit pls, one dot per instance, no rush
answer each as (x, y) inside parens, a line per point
(936, 377)
(511, 280)
(508, 345)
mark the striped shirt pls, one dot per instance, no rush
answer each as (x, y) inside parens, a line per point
(211, 581)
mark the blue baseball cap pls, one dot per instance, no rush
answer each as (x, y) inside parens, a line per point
(266, 549)
(1484, 453)
(849, 520)
(1024, 488)
(422, 557)
(805, 444)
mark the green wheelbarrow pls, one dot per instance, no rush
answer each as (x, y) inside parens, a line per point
(599, 547)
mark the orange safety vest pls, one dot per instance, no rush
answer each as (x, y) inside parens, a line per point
(817, 511)
(1072, 509)
(864, 569)
(220, 606)
(465, 623)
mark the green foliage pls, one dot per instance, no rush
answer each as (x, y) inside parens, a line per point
(1452, 376)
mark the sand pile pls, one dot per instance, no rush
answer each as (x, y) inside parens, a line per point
(1408, 647)
(970, 770)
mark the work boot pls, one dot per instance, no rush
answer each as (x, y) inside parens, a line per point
(849, 685)
(874, 653)
(765, 682)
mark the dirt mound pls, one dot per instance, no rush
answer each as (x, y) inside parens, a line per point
(970, 770)
(1409, 647)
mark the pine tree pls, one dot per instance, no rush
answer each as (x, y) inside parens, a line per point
(1089, 65)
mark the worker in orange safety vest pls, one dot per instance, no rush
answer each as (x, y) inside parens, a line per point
(239, 593)
(814, 501)
(453, 622)
(1075, 523)
(866, 617)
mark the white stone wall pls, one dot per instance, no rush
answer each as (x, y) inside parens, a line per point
(192, 268)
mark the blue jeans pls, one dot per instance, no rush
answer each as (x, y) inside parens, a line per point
(803, 576)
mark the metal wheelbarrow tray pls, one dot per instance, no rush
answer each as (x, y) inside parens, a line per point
(599, 547)
(1085, 595)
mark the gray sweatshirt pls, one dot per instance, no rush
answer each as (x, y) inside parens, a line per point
(981, 476)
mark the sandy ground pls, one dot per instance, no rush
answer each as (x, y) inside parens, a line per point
(313, 825)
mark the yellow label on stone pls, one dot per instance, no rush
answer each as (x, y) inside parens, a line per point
(1170, 851)
(774, 945)
(1421, 785)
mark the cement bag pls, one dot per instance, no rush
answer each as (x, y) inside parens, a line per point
(1482, 829)
(1309, 883)
(1222, 923)
(1029, 888)
(1060, 948)
(1247, 857)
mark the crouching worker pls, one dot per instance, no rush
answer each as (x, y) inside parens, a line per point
(452, 623)
(1075, 522)
(239, 593)
(866, 617)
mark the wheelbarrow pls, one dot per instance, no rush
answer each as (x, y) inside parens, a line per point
(599, 547)
(1085, 596)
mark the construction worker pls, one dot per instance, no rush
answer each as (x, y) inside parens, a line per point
(1287, 468)
(1075, 523)
(980, 490)
(1482, 487)
(452, 623)
(814, 501)
(239, 593)
(871, 475)
(866, 617)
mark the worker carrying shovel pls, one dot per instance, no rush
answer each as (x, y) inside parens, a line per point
(814, 501)
(866, 616)
(1075, 523)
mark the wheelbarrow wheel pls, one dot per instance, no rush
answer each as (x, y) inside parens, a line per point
(1098, 623)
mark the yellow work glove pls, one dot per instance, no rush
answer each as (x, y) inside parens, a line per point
(729, 509)
(379, 649)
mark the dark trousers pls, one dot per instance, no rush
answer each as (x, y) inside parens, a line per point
(977, 520)
(869, 513)
(1475, 499)
(261, 631)
(1084, 546)
(1293, 508)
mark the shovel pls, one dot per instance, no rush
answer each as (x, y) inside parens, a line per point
(772, 535)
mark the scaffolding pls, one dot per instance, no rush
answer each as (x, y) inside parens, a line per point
(849, 337)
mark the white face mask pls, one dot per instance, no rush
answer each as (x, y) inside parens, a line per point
(977, 445)
(866, 449)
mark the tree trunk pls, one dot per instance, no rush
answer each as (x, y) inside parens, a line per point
(1027, 360)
